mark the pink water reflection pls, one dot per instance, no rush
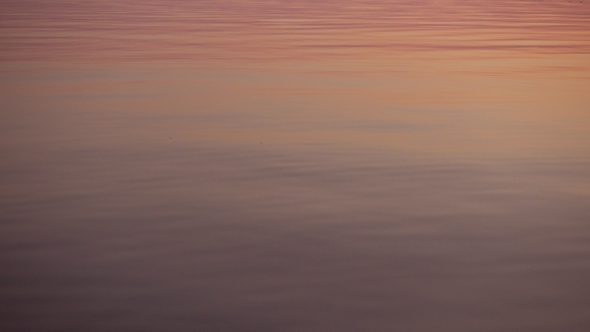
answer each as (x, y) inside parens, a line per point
(388, 35)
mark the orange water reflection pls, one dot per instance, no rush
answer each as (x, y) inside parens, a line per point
(452, 115)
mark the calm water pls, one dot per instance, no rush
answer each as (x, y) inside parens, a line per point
(295, 166)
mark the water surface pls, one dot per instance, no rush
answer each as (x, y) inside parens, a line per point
(295, 166)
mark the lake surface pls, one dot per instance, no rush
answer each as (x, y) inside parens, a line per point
(295, 166)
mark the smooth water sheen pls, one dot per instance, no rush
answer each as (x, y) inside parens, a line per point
(284, 165)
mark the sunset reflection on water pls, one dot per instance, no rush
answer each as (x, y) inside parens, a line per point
(295, 166)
